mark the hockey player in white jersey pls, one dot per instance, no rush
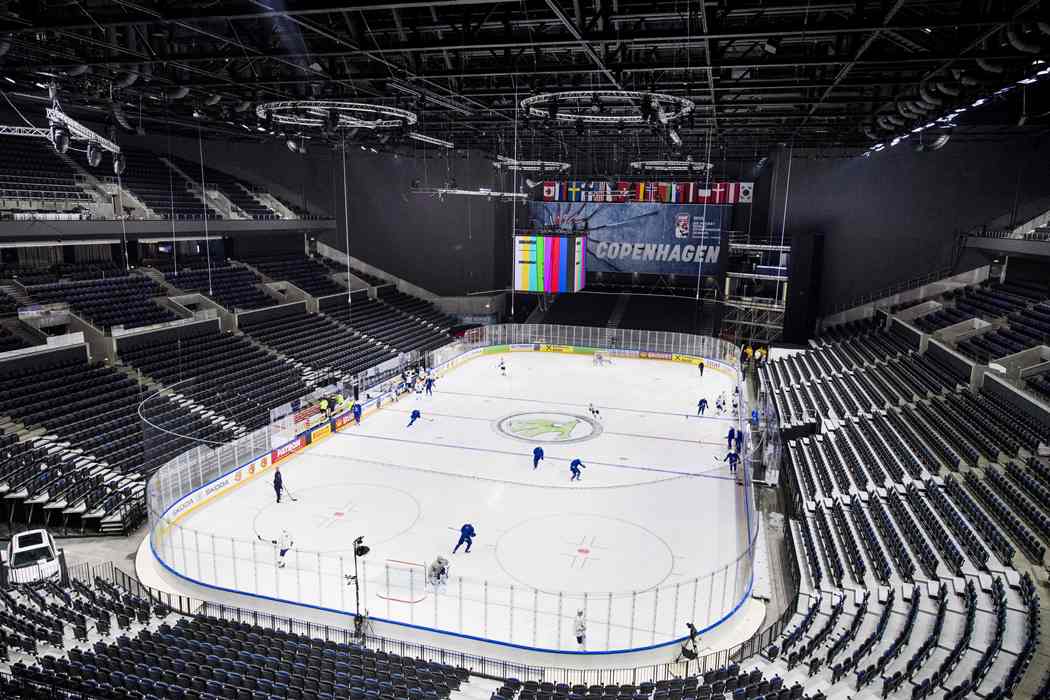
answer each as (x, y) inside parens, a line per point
(438, 572)
(284, 544)
(581, 630)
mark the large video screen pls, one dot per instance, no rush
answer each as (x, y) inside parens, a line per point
(639, 237)
(549, 262)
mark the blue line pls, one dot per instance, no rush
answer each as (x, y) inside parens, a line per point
(658, 470)
(569, 403)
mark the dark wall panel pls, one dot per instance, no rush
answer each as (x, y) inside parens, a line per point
(451, 247)
(894, 216)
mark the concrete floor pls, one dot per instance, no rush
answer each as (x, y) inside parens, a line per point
(96, 550)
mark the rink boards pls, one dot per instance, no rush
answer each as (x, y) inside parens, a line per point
(544, 610)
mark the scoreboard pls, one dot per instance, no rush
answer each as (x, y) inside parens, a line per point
(549, 262)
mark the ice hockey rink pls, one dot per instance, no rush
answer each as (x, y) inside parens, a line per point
(654, 534)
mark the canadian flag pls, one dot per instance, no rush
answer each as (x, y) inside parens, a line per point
(550, 191)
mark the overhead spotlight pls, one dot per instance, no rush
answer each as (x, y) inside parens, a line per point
(291, 145)
(118, 163)
(59, 138)
(676, 139)
(196, 113)
(596, 104)
(771, 46)
(94, 154)
(530, 183)
(619, 127)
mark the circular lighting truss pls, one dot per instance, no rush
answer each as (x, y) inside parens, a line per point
(529, 166)
(330, 115)
(671, 166)
(607, 107)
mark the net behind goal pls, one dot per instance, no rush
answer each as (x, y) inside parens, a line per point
(401, 582)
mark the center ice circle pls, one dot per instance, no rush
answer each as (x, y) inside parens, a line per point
(581, 553)
(546, 427)
(327, 518)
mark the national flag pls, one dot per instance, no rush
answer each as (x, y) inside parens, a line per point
(702, 195)
(678, 192)
(574, 191)
(732, 192)
(688, 192)
(550, 191)
(663, 191)
(622, 193)
(718, 193)
(638, 195)
(747, 192)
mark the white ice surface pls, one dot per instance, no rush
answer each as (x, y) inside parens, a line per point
(649, 538)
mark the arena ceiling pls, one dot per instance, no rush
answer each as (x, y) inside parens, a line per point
(759, 72)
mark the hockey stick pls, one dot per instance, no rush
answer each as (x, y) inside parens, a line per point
(294, 499)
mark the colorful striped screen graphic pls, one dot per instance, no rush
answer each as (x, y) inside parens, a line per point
(549, 263)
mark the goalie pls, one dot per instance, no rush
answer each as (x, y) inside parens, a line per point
(437, 574)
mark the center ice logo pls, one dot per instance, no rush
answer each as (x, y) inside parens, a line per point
(538, 427)
(548, 427)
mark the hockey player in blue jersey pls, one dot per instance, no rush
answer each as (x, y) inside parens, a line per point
(537, 457)
(701, 406)
(732, 458)
(429, 385)
(356, 410)
(416, 415)
(729, 438)
(739, 440)
(574, 467)
(466, 537)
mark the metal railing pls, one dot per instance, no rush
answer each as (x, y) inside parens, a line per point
(888, 291)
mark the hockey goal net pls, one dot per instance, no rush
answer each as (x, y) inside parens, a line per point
(403, 582)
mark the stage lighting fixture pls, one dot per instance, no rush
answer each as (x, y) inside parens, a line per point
(771, 46)
(94, 154)
(596, 104)
(118, 163)
(291, 145)
(676, 139)
(60, 138)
